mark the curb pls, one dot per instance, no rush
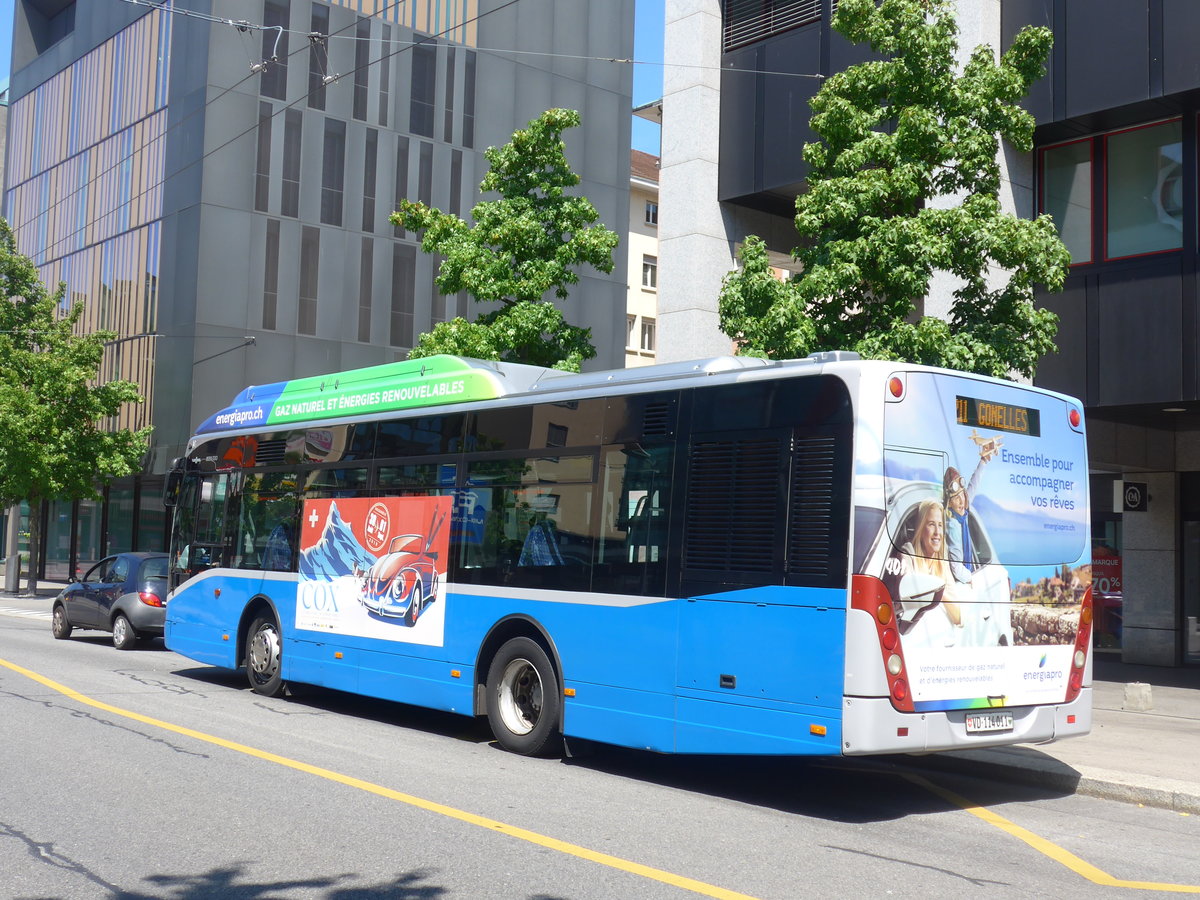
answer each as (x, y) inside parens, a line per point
(1024, 765)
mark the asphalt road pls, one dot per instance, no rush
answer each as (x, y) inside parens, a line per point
(142, 774)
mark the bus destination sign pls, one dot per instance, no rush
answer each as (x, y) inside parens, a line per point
(998, 416)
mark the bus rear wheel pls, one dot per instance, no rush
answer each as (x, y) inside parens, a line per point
(264, 657)
(523, 698)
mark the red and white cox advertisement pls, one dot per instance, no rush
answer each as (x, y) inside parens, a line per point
(375, 567)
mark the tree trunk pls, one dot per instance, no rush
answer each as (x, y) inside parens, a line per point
(35, 544)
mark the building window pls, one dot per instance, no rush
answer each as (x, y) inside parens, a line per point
(273, 82)
(448, 123)
(318, 55)
(650, 272)
(370, 160)
(425, 173)
(630, 332)
(647, 344)
(1067, 195)
(271, 277)
(310, 253)
(366, 286)
(651, 213)
(749, 21)
(293, 124)
(468, 135)
(1144, 190)
(262, 168)
(404, 277)
(424, 86)
(456, 165)
(362, 66)
(333, 172)
(401, 178)
(385, 75)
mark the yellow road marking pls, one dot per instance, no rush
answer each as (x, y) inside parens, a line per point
(604, 859)
(1045, 847)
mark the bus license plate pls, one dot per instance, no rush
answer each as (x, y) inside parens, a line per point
(978, 723)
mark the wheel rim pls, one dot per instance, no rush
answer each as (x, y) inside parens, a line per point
(60, 620)
(264, 653)
(120, 630)
(520, 696)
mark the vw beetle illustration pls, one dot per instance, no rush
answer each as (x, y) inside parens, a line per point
(402, 582)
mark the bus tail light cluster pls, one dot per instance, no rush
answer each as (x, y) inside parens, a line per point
(872, 597)
(1083, 643)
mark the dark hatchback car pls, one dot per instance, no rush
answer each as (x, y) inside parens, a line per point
(124, 594)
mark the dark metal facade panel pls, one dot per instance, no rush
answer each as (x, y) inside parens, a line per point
(1140, 333)
(785, 106)
(1018, 14)
(1180, 61)
(1106, 54)
(739, 112)
(1066, 370)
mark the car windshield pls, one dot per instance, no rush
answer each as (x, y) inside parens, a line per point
(155, 567)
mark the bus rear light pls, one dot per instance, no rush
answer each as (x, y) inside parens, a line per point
(1083, 643)
(896, 386)
(902, 731)
(1074, 417)
(870, 595)
(150, 599)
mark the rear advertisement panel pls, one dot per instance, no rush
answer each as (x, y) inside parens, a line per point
(983, 539)
(375, 567)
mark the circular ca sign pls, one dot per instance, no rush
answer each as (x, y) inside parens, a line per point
(1135, 496)
(377, 527)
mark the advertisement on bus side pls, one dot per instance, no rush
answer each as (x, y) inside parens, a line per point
(375, 567)
(984, 544)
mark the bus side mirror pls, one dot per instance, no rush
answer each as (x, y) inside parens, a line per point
(171, 488)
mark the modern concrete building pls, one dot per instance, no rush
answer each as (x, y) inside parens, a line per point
(214, 178)
(1115, 163)
(641, 251)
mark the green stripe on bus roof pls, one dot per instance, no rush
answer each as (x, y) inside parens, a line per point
(393, 386)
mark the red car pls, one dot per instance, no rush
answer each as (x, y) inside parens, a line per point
(404, 580)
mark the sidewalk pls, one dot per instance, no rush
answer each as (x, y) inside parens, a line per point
(1133, 754)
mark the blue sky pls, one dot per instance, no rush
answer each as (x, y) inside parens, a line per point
(647, 73)
(6, 19)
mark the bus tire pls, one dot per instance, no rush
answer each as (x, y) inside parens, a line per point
(124, 637)
(60, 625)
(264, 656)
(523, 698)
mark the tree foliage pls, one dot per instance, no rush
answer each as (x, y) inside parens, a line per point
(53, 440)
(896, 134)
(521, 247)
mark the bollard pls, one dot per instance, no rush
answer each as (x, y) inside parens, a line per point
(1138, 697)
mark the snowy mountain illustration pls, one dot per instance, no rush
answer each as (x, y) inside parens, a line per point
(337, 552)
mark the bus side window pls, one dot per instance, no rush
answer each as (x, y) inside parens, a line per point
(632, 549)
(266, 522)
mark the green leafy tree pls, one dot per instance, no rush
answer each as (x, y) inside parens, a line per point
(53, 443)
(521, 247)
(904, 182)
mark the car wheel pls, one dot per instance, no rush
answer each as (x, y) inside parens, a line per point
(523, 697)
(60, 625)
(264, 657)
(124, 637)
(414, 605)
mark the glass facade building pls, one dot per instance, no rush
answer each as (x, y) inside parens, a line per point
(201, 173)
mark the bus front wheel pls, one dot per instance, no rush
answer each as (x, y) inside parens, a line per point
(523, 697)
(264, 657)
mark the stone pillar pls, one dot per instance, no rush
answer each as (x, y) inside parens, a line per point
(1149, 574)
(694, 248)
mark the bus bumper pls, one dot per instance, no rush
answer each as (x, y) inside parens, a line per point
(873, 725)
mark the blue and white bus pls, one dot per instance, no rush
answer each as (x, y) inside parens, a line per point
(729, 556)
